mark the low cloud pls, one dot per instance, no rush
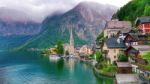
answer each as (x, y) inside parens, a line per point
(37, 10)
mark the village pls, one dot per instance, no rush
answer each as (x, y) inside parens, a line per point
(122, 51)
(128, 48)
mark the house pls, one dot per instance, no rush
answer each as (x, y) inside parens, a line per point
(124, 68)
(126, 79)
(132, 53)
(112, 27)
(135, 53)
(132, 39)
(143, 23)
(53, 51)
(112, 47)
(86, 50)
(142, 49)
(137, 61)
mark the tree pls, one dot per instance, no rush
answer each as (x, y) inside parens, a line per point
(59, 48)
(147, 10)
(100, 37)
(134, 9)
(147, 56)
(46, 52)
(122, 58)
(67, 52)
(98, 55)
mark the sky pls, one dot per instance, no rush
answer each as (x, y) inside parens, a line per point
(39, 9)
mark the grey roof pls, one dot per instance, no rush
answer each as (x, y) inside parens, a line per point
(127, 79)
(118, 24)
(142, 48)
(138, 36)
(123, 64)
(125, 30)
(145, 19)
(134, 35)
(115, 43)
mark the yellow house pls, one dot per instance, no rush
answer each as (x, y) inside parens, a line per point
(53, 51)
(112, 47)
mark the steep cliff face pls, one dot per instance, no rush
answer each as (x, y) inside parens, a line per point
(88, 19)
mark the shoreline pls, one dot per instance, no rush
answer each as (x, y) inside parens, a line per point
(96, 71)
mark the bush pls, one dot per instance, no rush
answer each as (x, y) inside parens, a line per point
(98, 55)
(67, 52)
(122, 58)
(105, 68)
(100, 37)
(59, 48)
(46, 52)
(147, 56)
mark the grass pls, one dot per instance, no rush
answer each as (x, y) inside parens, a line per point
(145, 67)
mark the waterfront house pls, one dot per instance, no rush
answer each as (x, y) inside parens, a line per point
(114, 26)
(143, 23)
(53, 51)
(112, 48)
(124, 68)
(126, 79)
(86, 50)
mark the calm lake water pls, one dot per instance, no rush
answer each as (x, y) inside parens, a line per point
(32, 68)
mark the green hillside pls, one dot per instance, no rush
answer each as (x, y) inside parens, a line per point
(134, 9)
(10, 42)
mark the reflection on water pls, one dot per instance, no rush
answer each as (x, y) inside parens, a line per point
(32, 68)
(70, 63)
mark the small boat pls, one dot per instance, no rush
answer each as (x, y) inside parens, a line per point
(54, 57)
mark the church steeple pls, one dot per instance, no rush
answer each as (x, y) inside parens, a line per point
(71, 37)
(71, 40)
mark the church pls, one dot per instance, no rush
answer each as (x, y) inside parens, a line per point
(69, 47)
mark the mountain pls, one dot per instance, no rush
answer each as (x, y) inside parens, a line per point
(87, 19)
(16, 28)
(134, 9)
(14, 34)
(19, 28)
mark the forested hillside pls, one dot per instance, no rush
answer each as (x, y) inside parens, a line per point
(134, 9)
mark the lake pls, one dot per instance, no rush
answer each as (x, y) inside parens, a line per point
(33, 68)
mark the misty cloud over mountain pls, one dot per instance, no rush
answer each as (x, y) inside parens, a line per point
(38, 10)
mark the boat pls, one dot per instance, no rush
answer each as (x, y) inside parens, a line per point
(54, 57)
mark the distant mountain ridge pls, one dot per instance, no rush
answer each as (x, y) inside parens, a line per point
(87, 20)
(19, 28)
